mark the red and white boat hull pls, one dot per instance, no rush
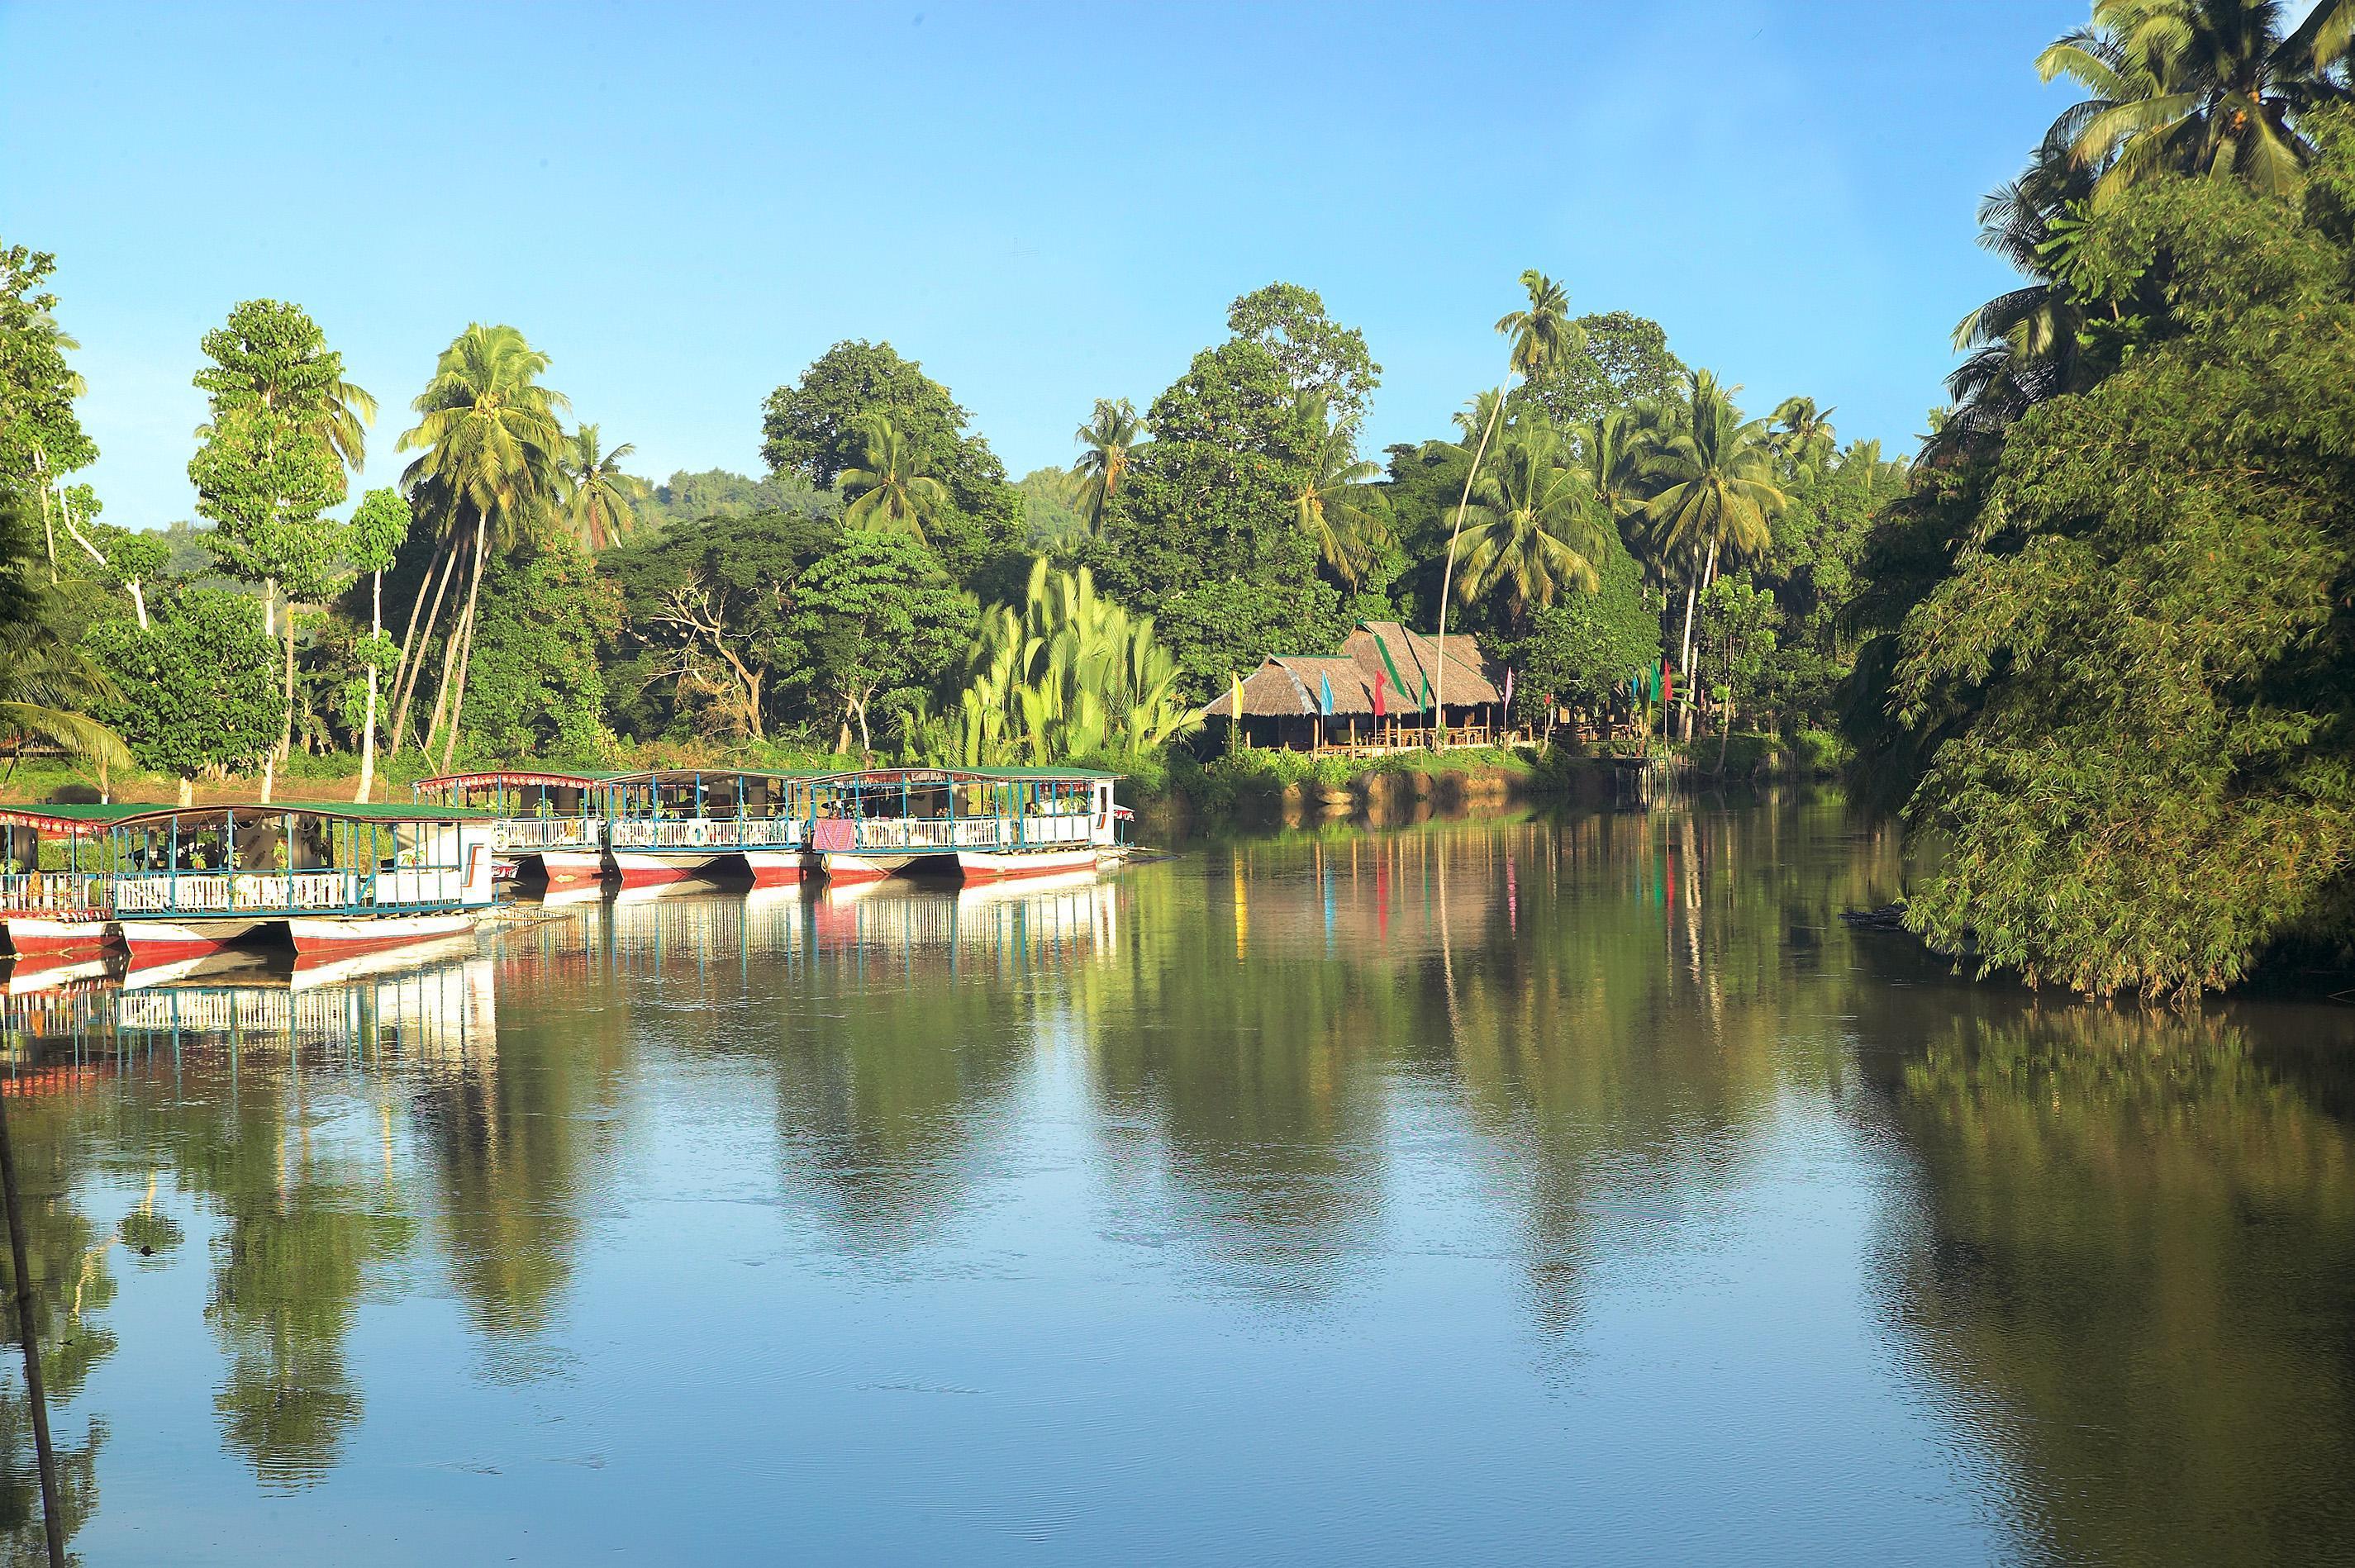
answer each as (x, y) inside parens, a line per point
(359, 934)
(847, 868)
(774, 868)
(993, 865)
(571, 866)
(52, 933)
(647, 870)
(151, 941)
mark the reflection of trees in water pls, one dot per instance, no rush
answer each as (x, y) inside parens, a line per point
(71, 1266)
(1622, 1038)
(884, 1095)
(514, 1141)
(1231, 1039)
(2138, 1232)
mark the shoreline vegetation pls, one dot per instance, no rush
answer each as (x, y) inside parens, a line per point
(2093, 641)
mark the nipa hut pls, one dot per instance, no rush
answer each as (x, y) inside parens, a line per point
(1378, 690)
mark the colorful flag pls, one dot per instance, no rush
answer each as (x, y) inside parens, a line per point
(1381, 709)
(1508, 692)
(1325, 685)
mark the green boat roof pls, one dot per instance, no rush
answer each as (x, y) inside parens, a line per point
(76, 818)
(358, 811)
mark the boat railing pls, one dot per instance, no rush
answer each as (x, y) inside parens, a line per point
(64, 892)
(512, 833)
(704, 832)
(946, 833)
(905, 833)
(286, 892)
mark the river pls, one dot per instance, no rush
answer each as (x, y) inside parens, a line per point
(1520, 1190)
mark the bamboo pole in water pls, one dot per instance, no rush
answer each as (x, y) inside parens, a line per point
(52, 1520)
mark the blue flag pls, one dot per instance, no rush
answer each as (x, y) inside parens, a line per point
(1325, 684)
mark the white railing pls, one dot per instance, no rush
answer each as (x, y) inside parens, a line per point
(285, 892)
(527, 834)
(905, 833)
(757, 832)
(704, 832)
(24, 892)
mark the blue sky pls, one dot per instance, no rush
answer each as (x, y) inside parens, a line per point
(684, 207)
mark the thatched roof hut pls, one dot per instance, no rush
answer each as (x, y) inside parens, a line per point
(1380, 671)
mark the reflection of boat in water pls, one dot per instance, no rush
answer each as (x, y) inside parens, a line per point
(444, 1005)
(1074, 910)
(570, 894)
(49, 971)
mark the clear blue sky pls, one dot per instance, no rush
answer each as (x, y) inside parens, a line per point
(684, 207)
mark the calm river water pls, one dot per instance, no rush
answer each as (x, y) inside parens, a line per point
(1539, 1190)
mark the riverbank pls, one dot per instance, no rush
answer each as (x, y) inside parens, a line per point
(1263, 788)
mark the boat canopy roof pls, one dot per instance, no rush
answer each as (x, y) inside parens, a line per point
(346, 811)
(519, 775)
(81, 820)
(675, 775)
(929, 775)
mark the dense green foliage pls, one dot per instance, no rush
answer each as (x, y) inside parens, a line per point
(193, 695)
(2109, 662)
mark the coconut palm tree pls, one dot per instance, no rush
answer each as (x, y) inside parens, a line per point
(1614, 453)
(1332, 506)
(890, 491)
(1534, 526)
(1113, 436)
(1539, 335)
(1718, 494)
(1804, 433)
(599, 500)
(2195, 86)
(489, 444)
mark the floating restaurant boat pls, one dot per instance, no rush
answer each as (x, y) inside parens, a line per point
(57, 909)
(325, 878)
(674, 823)
(979, 823)
(553, 822)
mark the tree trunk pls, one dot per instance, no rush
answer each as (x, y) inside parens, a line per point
(368, 728)
(286, 731)
(474, 594)
(405, 672)
(270, 628)
(139, 602)
(449, 666)
(48, 529)
(1447, 572)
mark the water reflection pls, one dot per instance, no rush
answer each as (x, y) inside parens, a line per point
(1680, 1218)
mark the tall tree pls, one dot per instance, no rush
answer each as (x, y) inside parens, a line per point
(1619, 360)
(878, 623)
(601, 501)
(192, 692)
(890, 489)
(1540, 334)
(41, 441)
(1332, 507)
(2187, 86)
(488, 440)
(1803, 433)
(49, 684)
(1533, 525)
(1718, 490)
(268, 466)
(1112, 436)
(379, 527)
(1316, 353)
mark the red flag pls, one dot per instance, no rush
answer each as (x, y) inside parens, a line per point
(1381, 709)
(1667, 683)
